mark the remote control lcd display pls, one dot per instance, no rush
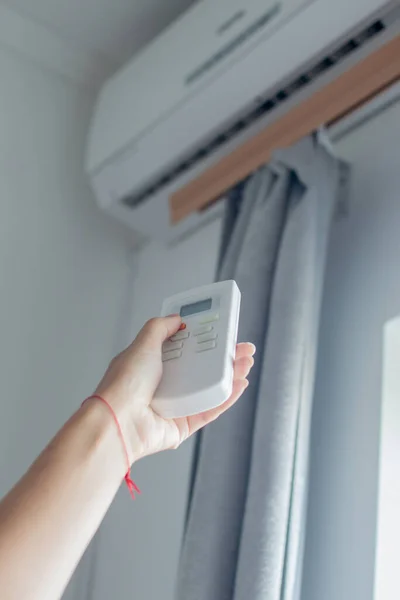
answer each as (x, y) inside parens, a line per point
(196, 307)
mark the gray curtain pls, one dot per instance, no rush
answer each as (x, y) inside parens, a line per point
(246, 518)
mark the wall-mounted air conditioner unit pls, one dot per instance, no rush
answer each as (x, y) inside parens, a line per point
(220, 73)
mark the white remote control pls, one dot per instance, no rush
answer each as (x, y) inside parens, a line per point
(198, 361)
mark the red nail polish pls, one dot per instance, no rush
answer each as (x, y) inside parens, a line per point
(182, 327)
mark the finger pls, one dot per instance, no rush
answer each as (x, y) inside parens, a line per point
(245, 349)
(157, 330)
(196, 422)
(243, 367)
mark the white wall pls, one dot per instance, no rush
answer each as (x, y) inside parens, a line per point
(139, 543)
(63, 266)
(362, 292)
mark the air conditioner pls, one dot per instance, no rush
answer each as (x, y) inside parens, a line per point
(216, 76)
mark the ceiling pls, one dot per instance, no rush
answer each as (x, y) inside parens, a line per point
(115, 29)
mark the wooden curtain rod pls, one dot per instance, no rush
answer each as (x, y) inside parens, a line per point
(340, 97)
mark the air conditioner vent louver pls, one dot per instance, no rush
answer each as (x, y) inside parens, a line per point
(263, 107)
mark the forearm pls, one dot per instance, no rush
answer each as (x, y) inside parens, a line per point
(49, 518)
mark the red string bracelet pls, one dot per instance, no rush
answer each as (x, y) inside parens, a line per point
(132, 487)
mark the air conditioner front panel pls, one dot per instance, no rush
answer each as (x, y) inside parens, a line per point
(203, 44)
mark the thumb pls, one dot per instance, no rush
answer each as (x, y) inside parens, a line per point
(157, 330)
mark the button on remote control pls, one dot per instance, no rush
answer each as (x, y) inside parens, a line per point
(168, 346)
(171, 355)
(204, 329)
(209, 318)
(206, 337)
(206, 346)
(181, 335)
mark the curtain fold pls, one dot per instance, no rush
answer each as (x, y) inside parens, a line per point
(246, 520)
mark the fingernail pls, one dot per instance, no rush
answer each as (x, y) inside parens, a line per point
(246, 384)
(182, 327)
(254, 348)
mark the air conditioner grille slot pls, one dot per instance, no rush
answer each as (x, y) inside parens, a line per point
(264, 106)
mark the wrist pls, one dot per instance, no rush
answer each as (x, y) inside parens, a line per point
(115, 429)
(102, 436)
